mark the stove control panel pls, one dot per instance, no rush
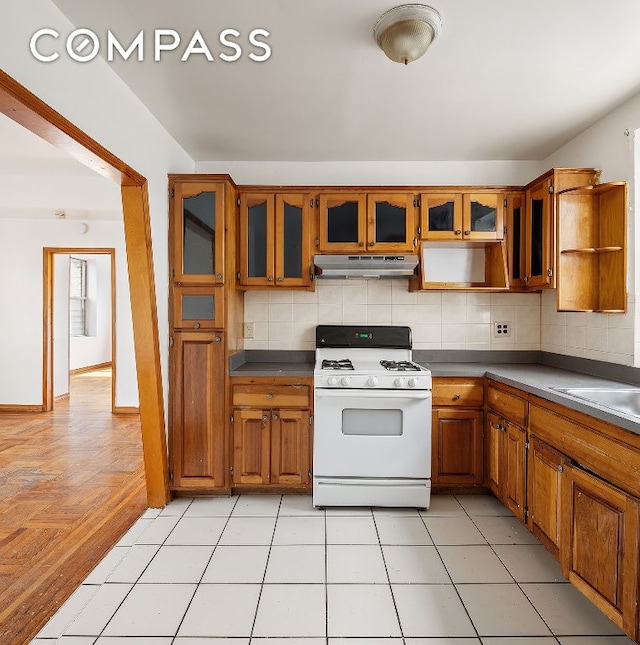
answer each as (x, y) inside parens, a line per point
(383, 381)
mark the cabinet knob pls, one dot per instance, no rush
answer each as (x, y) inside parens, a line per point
(269, 396)
(467, 232)
(372, 243)
(360, 243)
(280, 278)
(458, 232)
(456, 397)
(525, 279)
(265, 418)
(217, 339)
(218, 276)
(270, 278)
(275, 417)
(196, 325)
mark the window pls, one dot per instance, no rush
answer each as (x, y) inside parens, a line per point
(77, 297)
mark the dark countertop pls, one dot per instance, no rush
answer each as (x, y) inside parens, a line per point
(533, 378)
(539, 380)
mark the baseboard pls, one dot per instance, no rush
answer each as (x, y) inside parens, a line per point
(121, 409)
(10, 409)
(61, 397)
(90, 368)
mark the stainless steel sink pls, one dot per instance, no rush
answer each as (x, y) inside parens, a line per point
(623, 400)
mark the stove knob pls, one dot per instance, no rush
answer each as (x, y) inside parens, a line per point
(332, 380)
(345, 380)
(372, 381)
(412, 382)
(399, 382)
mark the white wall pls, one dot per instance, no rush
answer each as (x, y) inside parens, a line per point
(610, 144)
(95, 99)
(60, 325)
(21, 244)
(95, 347)
(376, 173)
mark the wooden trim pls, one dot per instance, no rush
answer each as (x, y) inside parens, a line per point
(137, 232)
(61, 397)
(90, 368)
(10, 408)
(121, 409)
(24, 107)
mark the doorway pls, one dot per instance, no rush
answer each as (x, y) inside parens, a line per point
(79, 328)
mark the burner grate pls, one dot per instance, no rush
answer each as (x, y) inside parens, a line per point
(400, 366)
(341, 364)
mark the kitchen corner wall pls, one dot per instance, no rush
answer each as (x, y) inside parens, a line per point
(602, 337)
(439, 320)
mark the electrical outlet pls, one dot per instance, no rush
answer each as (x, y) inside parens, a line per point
(247, 330)
(502, 329)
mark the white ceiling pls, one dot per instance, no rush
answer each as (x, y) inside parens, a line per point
(504, 80)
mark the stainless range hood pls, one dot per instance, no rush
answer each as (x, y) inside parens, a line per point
(365, 266)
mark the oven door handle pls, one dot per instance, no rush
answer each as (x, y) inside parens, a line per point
(370, 394)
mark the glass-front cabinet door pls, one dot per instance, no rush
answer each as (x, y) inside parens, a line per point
(539, 240)
(198, 307)
(390, 222)
(292, 240)
(482, 216)
(441, 216)
(515, 228)
(343, 225)
(275, 236)
(198, 233)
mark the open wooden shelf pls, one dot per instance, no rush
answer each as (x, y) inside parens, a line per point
(592, 248)
(464, 265)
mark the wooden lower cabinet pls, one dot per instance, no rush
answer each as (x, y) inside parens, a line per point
(198, 429)
(271, 445)
(599, 553)
(457, 447)
(506, 470)
(544, 484)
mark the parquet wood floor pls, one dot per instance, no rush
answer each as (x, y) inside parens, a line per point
(71, 484)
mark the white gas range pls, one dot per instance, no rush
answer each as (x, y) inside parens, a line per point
(372, 430)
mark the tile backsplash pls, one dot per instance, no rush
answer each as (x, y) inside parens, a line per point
(602, 337)
(439, 320)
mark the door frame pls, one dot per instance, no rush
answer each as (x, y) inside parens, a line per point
(25, 108)
(47, 318)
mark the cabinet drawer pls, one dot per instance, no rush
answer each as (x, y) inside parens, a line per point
(511, 407)
(275, 396)
(458, 392)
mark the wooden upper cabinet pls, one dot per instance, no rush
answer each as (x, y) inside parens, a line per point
(198, 232)
(343, 223)
(361, 222)
(515, 229)
(275, 238)
(540, 222)
(462, 216)
(390, 222)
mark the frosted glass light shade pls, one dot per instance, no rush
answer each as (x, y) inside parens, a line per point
(404, 33)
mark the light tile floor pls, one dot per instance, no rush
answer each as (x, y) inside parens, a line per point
(271, 570)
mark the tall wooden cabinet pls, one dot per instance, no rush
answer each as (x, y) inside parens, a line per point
(203, 307)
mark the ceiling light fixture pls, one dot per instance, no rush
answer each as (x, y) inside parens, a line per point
(404, 33)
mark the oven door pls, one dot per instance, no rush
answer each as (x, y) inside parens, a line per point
(372, 433)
